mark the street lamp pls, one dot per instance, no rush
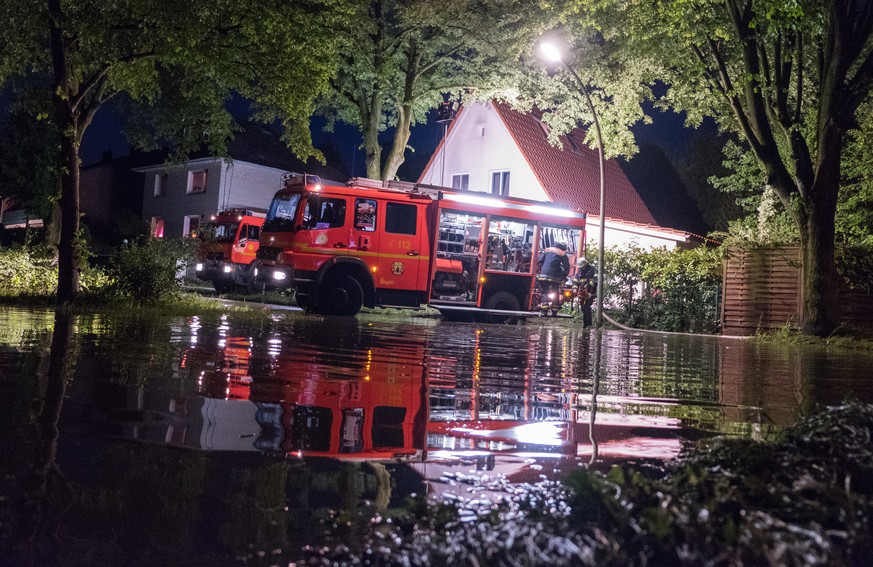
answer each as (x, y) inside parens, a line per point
(552, 53)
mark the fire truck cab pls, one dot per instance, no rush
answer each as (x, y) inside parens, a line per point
(228, 245)
(464, 253)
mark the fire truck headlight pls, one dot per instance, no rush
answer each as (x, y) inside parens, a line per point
(227, 268)
(279, 276)
(199, 267)
(551, 296)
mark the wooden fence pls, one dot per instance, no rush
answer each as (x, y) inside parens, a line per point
(763, 290)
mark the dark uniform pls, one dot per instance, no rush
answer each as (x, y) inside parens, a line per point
(585, 280)
(553, 266)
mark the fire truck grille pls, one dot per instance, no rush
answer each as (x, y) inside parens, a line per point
(269, 253)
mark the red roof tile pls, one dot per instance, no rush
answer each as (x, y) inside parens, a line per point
(571, 176)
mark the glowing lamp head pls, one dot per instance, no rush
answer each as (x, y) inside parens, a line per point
(550, 51)
(199, 267)
(279, 276)
(227, 269)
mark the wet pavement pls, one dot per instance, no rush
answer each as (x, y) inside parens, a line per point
(212, 440)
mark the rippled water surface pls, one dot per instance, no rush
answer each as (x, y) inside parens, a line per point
(152, 441)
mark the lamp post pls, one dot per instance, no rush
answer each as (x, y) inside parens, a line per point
(552, 53)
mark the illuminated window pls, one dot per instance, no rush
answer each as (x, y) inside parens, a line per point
(161, 185)
(461, 181)
(191, 226)
(500, 183)
(197, 181)
(157, 227)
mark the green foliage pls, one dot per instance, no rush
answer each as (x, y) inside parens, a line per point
(676, 290)
(398, 57)
(152, 270)
(25, 271)
(28, 144)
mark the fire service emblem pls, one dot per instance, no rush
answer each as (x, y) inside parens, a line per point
(397, 268)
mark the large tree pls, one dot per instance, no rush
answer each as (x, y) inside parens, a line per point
(179, 61)
(400, 56)
(786, 76)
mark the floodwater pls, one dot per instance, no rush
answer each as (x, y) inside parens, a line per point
(208, 440)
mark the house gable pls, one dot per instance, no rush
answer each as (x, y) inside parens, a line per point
(479, 144)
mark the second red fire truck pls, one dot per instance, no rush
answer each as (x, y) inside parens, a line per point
(466, 254)
(227, 248)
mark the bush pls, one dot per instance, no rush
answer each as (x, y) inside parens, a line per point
(151, 270)
(675, 290)
(26, 271)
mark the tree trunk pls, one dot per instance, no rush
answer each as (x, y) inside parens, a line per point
(404, 118)
(817, 227)
(398, 147)
(68, 262)
(372, 149)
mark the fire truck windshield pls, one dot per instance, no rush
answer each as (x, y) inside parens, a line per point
(219, 231)
(280, 217)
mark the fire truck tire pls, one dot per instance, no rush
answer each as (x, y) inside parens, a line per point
(222, 286)
(343, 295)
(504, 301)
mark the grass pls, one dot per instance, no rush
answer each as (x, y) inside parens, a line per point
(846, 337)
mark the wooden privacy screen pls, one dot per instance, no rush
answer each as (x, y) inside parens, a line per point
(762, 289)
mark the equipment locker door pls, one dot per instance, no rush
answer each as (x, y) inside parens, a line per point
(403, 248)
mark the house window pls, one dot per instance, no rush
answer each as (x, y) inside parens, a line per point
(500, 183)
(161, 184)
(197, 181)
(191, 226)
(157, 227)
(461, 181)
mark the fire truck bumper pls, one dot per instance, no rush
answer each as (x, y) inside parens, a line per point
(274, 277)
(215, 271)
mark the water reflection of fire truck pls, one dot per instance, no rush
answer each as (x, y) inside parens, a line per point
(306, 410)
(342, 248)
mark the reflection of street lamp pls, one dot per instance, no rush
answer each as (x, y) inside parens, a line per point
(552, 53)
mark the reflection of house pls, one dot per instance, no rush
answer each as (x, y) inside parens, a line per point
(177, 198)
(496, 149)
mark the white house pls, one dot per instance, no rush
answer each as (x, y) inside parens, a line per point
(178, 198)
(492, 148)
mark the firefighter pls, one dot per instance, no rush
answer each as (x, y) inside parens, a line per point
(553, 267)
(585, 285)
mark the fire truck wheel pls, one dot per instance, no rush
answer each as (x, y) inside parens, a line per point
(341, 296)
(504, 301)
(222, 286)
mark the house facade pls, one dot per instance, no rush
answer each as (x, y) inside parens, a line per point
(494, 149)
(178, 198)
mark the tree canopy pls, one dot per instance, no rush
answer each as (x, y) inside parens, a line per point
(399, 57)
(786, 76)
(176, 62)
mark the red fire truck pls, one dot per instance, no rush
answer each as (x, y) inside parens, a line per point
(466, 254)
(228, 245)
